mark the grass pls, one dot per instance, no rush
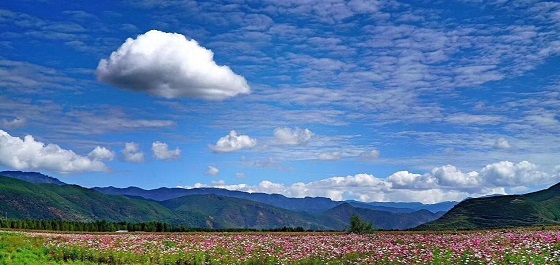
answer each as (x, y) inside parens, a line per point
(18, 249)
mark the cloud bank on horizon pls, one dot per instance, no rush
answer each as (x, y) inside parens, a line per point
(335, 98)
(446, 183)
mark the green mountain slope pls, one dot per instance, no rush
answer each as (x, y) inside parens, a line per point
(532, 209)
(216, 211)
(24, 200)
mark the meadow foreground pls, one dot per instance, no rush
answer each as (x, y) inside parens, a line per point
(483, 247)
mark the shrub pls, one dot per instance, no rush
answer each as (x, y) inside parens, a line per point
(359, 226)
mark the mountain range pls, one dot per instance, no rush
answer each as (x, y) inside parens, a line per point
(307, 204)
(30, 195)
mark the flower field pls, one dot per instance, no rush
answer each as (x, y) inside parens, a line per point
(485, 247)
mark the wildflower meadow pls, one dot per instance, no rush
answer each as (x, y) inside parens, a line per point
(483, 247)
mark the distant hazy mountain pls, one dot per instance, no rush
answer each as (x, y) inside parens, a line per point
(308, 204)
(532, 209)
(33, 177)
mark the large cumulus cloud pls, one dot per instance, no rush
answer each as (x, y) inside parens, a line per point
(169, 65)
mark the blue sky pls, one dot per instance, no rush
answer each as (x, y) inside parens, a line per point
(370, 100)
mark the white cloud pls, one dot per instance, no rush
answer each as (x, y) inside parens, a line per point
(450, 176)
(29, 154)
(219, 183)
(233, 142)
(28, 78)
(446, 183)
(412, 181)
(212, 171)
(476, 74)
(502, 143)
(170, 66)
(374, 154)
(524, 173)
(269, 163)
(132, 153)
(240, 175)
(288, 136)
(543, 120)
(162, 152)
(101, 153)
(472, 119)
(330, 156)
(14, 123)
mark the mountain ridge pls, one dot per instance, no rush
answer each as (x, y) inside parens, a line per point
(33, 177)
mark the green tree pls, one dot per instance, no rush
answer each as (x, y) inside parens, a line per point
(359, 226)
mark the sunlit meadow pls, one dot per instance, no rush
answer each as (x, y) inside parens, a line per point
(484, 247)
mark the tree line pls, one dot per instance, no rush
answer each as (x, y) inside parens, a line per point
(107, 226)
(95, 226)
(357, 225)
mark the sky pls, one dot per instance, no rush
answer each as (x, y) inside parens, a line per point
(413, 101)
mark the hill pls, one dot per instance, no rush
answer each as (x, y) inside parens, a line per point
(33, 177)
(23, 200)
(532, 209)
